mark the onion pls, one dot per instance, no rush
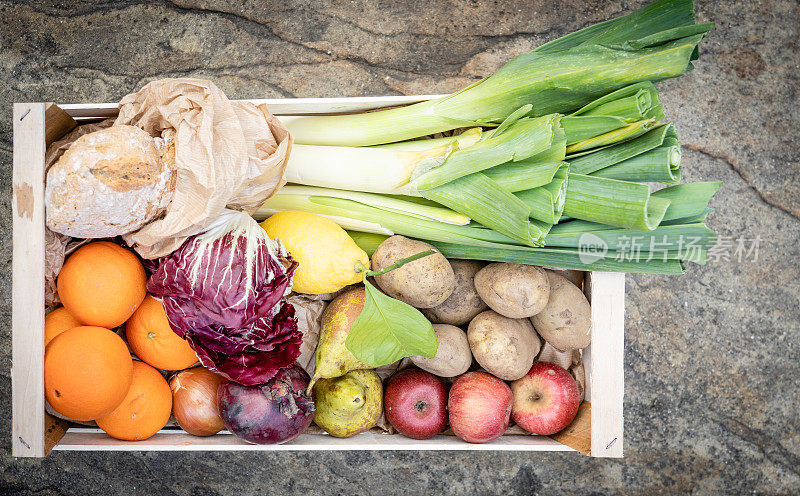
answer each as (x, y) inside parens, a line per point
(194, 401)
(271, 413)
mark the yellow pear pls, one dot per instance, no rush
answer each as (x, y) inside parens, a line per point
(349, 404)
(333, 358)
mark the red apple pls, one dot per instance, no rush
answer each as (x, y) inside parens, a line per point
(546, 399)
(415, 402)
(480, 406)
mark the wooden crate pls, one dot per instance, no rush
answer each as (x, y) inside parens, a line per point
(597, 430)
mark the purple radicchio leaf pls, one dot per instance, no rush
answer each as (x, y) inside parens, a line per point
(222, 291)
(250, 355)
(232, 273)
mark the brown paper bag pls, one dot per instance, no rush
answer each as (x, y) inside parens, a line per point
(308, 311)
(227, 154)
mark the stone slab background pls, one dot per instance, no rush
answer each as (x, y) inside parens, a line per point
(711, 358)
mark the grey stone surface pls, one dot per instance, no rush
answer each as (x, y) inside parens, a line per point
(711, 394)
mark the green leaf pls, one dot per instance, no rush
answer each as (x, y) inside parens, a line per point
(387, 330)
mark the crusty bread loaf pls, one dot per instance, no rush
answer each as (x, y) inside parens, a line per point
(110, 182)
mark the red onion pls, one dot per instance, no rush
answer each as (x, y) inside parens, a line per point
(194, 401)
(271, 413)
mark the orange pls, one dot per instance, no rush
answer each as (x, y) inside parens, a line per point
(152, 339)
(87, 372)
(102, 284)
(145, 409)
(58, 321)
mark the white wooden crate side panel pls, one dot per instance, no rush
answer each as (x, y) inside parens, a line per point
(27, 315)
(607, 378)
(81, 439)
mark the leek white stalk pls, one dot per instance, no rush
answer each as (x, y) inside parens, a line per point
(400, 171)
(373, 170)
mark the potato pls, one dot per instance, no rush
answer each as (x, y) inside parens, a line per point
(573, 276)
(516, 291)
(504, 347)
(566, 321)
(464, 303)
(453, 356)
(423, 283)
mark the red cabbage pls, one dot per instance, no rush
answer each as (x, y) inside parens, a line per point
(222, 291)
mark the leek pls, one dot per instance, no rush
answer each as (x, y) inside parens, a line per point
(687, 200)
(546, 202)
(618, 109)
(369, 214)
(519, 176)
(567, 258)
(404, 171)
(686, 241)
(523, 139)
(652, 157)
(625, 133)
(635, 102)
(575, 137)
(662, 16)
(700, 217)
(373, 170)
(487, 202)
(592, 161)
(402, 205)
(563, 258)
(659, 165)
(654, 43)
(463, 140)
(453, 240)
(612, 202)
(533, 171)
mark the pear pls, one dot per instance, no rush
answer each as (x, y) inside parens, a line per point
(333, 358)
(349, 404)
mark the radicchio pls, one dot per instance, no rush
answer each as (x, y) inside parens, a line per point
(222, 291)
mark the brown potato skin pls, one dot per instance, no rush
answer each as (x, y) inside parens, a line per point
(516, 291)
(423, 283)
(576, 277)
(464, 303)
(566, 321)
(504, 347)
(453, 357)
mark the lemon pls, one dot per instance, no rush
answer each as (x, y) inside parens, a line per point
(327, 255)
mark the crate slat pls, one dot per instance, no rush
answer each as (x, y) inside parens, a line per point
(607, 378)
(27, 307)
(174, 440)
(278, 106)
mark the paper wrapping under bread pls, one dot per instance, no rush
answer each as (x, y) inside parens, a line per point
(227, 154)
